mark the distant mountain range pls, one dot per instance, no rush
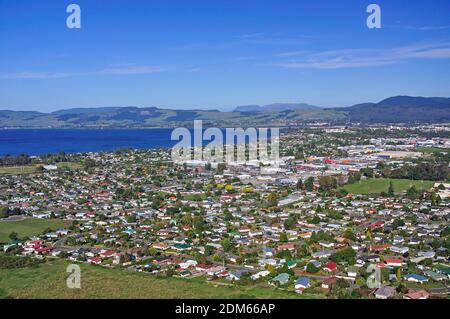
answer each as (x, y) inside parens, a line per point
(399, 109)
(275, 107)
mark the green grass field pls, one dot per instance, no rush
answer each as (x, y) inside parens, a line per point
(27, 227)
(17, 170)
(432, 150)
(49, 281)
(379, 185)
(28, 169)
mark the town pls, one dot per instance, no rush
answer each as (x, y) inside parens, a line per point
(348, 212)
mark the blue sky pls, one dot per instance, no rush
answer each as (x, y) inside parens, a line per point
(220, 53)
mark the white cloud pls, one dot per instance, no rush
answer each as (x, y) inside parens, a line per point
(125, 69)
(354, 58)
(133, 69)
(426, 28)
(35, 75)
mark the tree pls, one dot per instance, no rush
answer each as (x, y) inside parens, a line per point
(13, 236)
(290, 222)
(435, 199)
(347, 255)
(272, 199)
(311, 268)
(367, 172)
(391, 192)
(349, 234)
(327, 183)
(397, 223)
(398, 274)
(315, 220)
(300, 184)
(226, 244)
(283, 238)
(3, 211)
(199, 224)
(227, 215)
(412, 193)
(220, 168)
(309, 184)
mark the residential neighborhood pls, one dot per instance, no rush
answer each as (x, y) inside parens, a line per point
(347, 213)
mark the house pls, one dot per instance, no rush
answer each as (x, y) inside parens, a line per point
(268, 252)
(322, 254)
(236, 275)
(416, 294)
(435, 276)
(288, 246)
(281, 279)
(416, 278)
(393, 262)
(181, 247)
(399, 249)
(260, 274)
(107, 253)
(291, 264)
(377, 224)
(326, 284)
(385, 292)
(215, 270)
(302, 283)
(269, 261)
(95, 260)
(202, 267)
(232, 258)
(445, 271)
(315, 263)
(223, 274)
(352, 271)
(184, 273)
(160, 246)
(326, 244)
(380, 247)
(330, 266)
(371, 258)
(187, 264)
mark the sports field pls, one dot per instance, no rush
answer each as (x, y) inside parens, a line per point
(371, 186)
(28, 169)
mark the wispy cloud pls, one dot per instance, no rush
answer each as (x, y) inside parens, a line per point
(132, 69)
(36, 75)
(194, 70)
(125, 69)
(354, 58)
(248, 39)
(275, 38)
(292, 53)
(424, 28)
(244, 58)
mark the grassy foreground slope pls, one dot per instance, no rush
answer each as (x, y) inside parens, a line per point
(371, 186)
(27, 227)
(49, 281)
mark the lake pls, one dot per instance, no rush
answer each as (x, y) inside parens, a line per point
(44, 141)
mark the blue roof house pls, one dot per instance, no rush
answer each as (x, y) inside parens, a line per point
(416, 278)
(302, 283)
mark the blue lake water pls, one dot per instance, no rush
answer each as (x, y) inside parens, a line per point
(44, 141)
